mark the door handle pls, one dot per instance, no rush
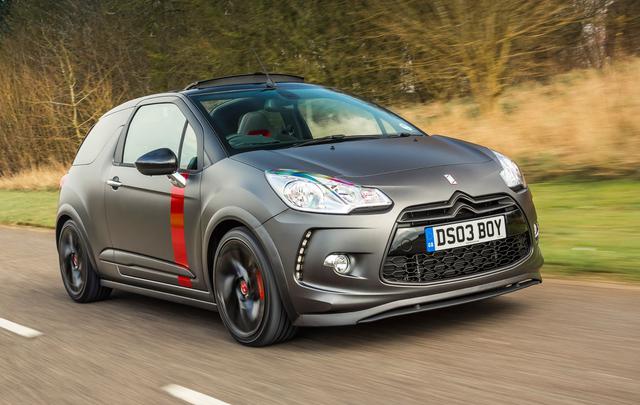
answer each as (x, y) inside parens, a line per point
(114, 182)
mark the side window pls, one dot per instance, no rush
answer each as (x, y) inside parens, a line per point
(106, 128)
(189, 152)
(154, 126)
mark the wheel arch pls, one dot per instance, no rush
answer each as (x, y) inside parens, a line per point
(62, 219)
(231, 217)
(65, 213)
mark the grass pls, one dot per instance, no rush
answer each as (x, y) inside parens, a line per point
(589, 228)
(35, 208)
(585, 123)
(36, 178)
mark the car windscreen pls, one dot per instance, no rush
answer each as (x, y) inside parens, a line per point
(287, 117)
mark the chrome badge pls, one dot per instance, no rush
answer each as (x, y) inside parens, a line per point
(450, 179)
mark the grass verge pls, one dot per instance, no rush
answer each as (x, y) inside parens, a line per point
(585, 123)
(35, 208)
(588, 228)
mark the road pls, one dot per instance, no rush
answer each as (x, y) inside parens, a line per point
(559, 343)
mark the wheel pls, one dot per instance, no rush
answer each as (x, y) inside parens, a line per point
(78, 275)
(246, 293)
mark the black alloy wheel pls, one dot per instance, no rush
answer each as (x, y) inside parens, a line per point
(78, 275)
(241, 285)
(246, 294)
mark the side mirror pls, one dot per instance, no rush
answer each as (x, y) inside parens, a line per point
(157, 162)
(161, 162)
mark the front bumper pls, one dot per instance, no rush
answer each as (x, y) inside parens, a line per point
(420, 304)
(323, 298)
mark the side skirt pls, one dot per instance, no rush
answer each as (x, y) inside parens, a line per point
(160, 295)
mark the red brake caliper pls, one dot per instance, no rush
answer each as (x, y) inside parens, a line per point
(260, 284)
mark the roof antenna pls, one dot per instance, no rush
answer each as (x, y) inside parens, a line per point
(270, 83)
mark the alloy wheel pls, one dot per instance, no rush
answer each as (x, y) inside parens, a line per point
(240, 288)
(73, 261)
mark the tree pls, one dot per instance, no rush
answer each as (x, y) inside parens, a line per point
(478, 47)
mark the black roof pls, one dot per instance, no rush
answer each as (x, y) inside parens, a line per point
(252, 78)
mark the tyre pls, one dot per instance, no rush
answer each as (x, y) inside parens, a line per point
(79, 277)
(246, 292)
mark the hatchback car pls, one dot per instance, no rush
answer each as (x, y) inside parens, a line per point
(284, 204)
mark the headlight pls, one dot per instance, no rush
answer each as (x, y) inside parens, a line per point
(510, 172)
(318, 193)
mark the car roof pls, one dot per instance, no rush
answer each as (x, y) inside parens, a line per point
(252, 78)
(226, 83)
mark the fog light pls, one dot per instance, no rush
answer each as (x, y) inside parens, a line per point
(536, 231)
(341, 264)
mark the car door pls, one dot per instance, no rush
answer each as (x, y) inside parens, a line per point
(153, 224)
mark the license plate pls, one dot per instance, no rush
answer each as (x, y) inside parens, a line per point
(465, 233)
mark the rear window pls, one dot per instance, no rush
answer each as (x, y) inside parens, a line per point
(106, 128)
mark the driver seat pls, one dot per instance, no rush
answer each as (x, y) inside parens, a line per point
(255, 123)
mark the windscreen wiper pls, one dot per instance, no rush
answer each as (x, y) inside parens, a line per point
(335, 138)
(403, 135)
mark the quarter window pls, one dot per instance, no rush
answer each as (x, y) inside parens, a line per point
(189, 153)
(107, 128)
(154, 126)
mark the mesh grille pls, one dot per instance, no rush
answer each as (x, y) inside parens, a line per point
(456, 262)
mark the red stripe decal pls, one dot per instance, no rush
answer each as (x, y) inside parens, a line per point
(177, 231)
(184, 281)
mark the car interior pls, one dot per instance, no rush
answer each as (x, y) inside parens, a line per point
(250, 121)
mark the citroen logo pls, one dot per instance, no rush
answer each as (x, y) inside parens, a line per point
(450, 179)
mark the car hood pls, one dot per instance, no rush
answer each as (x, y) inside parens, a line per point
(371, 157)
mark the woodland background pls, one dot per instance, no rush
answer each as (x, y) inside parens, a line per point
(554, 83)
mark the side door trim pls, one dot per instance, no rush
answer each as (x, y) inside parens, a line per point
(129, 259)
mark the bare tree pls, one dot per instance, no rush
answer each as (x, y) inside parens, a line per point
(462, 45)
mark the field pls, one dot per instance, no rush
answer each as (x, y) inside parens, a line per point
(34, 208)
(583, 124)
(588, 228)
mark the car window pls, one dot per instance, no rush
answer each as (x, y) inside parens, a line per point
(106, 128)
(326, 117)
(154, 126)
(258, 119)
(189, 152)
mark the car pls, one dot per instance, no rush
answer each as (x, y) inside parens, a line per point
(283, 204)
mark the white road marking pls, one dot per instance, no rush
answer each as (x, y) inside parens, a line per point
(191, 396)
(18, 329)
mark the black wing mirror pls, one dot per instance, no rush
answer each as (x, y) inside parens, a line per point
(161, 162)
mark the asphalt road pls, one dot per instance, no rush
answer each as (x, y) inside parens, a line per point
(558, 343)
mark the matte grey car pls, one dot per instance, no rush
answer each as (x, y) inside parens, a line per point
(284, 204)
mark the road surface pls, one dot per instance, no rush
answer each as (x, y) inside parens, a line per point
(558, 343)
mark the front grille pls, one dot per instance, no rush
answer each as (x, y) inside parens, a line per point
(459, 207)
(408, 261)
(456, 262)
